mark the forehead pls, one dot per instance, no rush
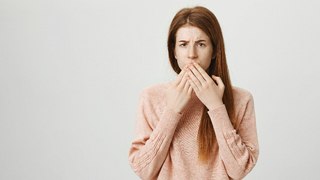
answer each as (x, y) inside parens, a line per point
(188, 32)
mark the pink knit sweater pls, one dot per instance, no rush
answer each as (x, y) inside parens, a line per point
(165, 144)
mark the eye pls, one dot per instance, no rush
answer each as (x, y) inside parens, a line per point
(183, 45)
(202, 44)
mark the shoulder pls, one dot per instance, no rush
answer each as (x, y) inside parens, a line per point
(241, 96)
(154, 93)
(155, 90)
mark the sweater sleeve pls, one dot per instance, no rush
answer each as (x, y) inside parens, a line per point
(238, 150)
(152, 140)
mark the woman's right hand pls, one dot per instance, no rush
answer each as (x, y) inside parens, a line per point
(179, 92)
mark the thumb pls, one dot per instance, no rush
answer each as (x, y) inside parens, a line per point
(215, 79)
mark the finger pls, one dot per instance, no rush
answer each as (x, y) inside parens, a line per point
(202, 72)
(186, 86)
(195, 80)
(179, 77)
(197, 74)
(193, 85)
(219, 81)
(190, 89)
(183, 81)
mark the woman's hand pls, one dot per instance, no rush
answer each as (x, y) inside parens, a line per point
(205, 88)
(179, 92)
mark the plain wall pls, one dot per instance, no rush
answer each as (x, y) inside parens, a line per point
(71, 72)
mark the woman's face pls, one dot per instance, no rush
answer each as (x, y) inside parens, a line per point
(192, 44)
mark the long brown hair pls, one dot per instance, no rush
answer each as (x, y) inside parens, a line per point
(204, 19)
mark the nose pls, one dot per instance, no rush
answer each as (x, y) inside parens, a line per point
(192, 53)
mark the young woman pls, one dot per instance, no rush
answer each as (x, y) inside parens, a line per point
(198, 126)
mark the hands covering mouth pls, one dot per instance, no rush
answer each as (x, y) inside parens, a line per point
(192, 77)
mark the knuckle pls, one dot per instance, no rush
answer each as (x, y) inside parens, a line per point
(206, 86)
(212, 83)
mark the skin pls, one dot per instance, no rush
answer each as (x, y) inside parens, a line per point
(192, 45)
(193, 51)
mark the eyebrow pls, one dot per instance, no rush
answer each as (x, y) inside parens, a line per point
(201, 40)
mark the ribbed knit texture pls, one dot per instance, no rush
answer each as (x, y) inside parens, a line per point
(165, 144)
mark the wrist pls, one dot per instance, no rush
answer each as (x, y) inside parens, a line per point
(174, 109)
(215, 105)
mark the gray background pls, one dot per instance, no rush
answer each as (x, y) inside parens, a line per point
(71, 72)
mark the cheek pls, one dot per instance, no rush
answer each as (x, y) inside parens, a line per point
(180, 58)
(181, 64)
(205, 62)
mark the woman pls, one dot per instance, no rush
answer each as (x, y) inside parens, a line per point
(199, 126)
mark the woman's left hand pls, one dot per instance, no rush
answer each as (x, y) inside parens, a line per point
(205, 88)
